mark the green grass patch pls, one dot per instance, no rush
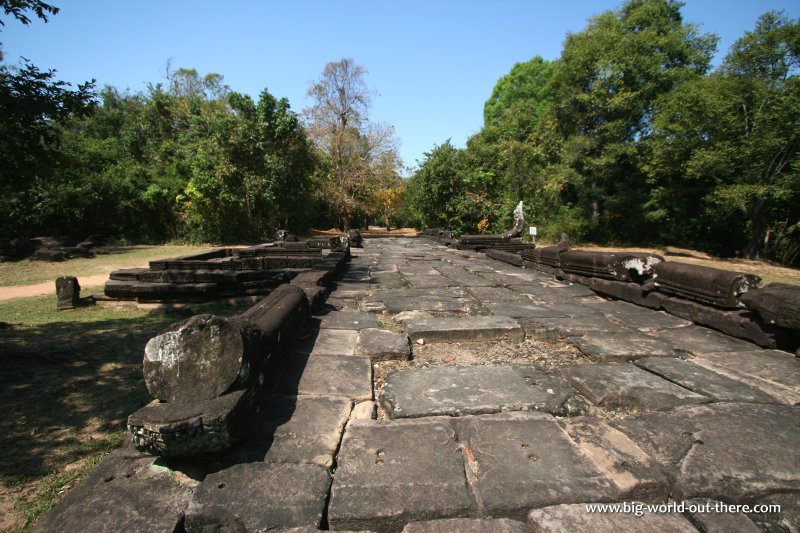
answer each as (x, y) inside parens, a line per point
(27, 272)
(68, 381)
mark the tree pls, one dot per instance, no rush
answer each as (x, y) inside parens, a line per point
(352, 147)
(436, 188)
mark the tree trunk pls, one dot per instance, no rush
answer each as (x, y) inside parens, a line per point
(758, 229)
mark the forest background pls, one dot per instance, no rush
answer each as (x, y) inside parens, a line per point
(629, 137)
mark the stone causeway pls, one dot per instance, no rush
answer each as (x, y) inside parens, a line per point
(441, 390)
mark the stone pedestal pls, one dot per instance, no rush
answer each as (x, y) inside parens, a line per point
(68, 292)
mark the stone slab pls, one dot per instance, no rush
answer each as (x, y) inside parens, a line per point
(575, 518)
(626, 387)
(467, 328)
(467, 525)
(698, 340)
(259, 497)
(520, 310)
(703, 381)
(558, 328)
(640, 318)
(392, 473)
(484, 389)
(608, 347)
(735, 452)
(494, 295)
(125, 492)
(295, 429)
(773, 371)
(327, 375)
(398, 304)
(715, 517)
(520, 461)
(348, 320)
(428, 281)
(327, 341)
(635, 475)
(382, 345)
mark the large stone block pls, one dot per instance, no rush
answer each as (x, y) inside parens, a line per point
(627, 387)
(485, 389)
(619, 346)
(126, 492)
(468, 328)
(618, 266)
(734, 452)
(327, 375)
(259, 497)
(721, 288)
(576, 518)
(381, 345)
(521, 461)
(777, 303)
(68, 292)
(392, 473)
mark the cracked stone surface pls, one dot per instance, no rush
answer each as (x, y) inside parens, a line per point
(651, 408)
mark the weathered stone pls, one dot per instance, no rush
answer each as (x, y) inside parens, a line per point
(127, 274)
(703, 381)
(505, 256)
(628, 387)
(711, 516)
(560, 328)
(467, 525)
(327, 375)
(776, 373)
(381, 345)
(348, 320)
(607, 347)
(68, 292)
(48, 255)
(568, 518)
(398, 304)
(630, 292)
(126, 492)
(634, 474)
(721, 288)
(327, 341)
(392, 473)
(193, 428)
(618, 266)
(259, 497)
(422, 281)
(735, 452)
(519, 461)
(459, 391)
(634, 316)
(363, 412)
(788, 519)
(740, 323)
(520, 310)
(777, 303)
(468, 328)
(487, 295)
(698, 340)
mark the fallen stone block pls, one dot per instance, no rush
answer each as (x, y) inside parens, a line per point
(721, 288)
(125, 492)
(475, 390)
(617, 266)
(277, 495)
(777, 303)
(392, 473)
(48, 255)
(467, 328)
(740, 323)
(703, 381)
(733, 452)
(127, 274)
(626, 387)
(562, 518)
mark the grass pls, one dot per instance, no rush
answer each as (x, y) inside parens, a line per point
(27, 272)
(68, 381)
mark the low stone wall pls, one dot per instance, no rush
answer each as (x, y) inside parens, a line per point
(731, 302)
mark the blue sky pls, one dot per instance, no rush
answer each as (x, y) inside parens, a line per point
(432, 63)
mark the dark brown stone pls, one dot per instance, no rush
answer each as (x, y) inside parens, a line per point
(629, 292)
(618, 266)
(721, 288)
(68, 292)
(777, 303)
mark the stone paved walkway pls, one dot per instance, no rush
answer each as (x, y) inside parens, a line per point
(617, 404)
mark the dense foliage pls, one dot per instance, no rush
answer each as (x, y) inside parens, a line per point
(631, 137)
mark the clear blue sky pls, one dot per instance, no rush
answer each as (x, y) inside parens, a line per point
(432, 63)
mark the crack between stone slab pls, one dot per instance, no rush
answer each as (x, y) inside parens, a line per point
(470, 472)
